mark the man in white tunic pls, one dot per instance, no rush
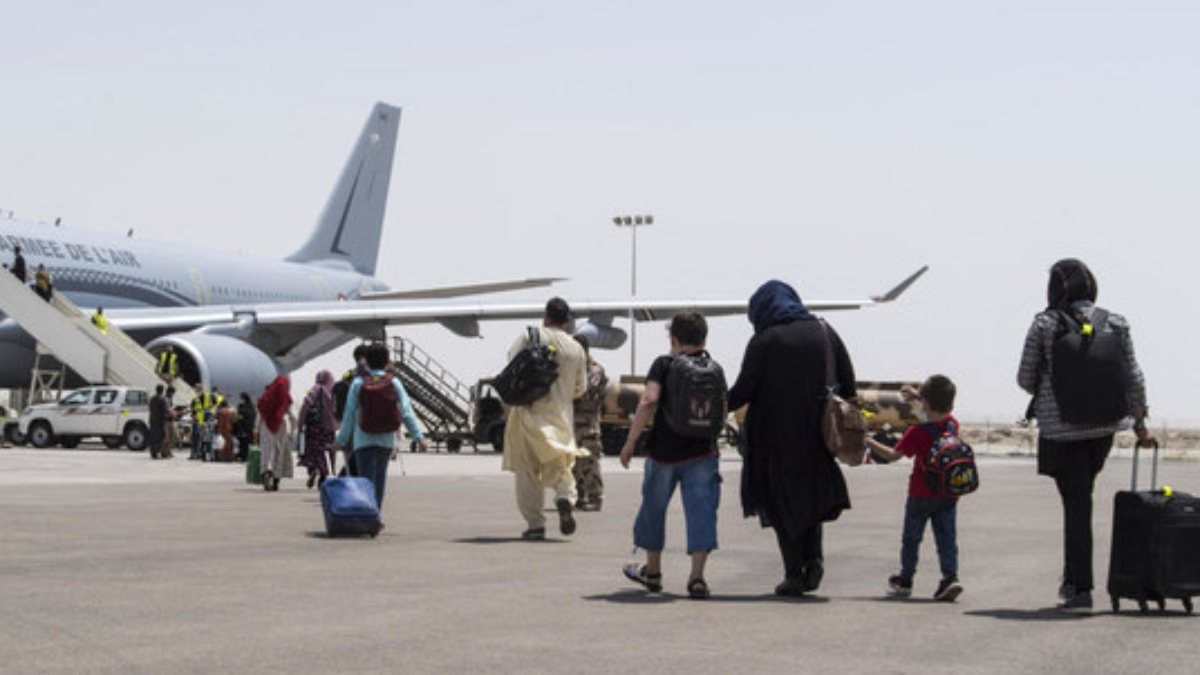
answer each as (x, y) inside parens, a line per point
(539, 439)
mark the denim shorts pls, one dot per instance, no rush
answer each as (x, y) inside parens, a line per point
(700, 485)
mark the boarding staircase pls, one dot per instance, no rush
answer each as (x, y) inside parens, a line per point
(60, 328)
(439, 399)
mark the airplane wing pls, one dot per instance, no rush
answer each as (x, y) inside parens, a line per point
(369, 317)
(459, 291)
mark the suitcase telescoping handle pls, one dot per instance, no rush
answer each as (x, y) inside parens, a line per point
(1153, 467)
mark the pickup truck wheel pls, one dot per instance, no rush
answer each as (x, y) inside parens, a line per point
(69, 442)
(40, 435)
(135, 436)
(113, 442)
(496, 437)
(12, 433)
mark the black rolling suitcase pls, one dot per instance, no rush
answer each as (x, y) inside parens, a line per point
(1155, 545)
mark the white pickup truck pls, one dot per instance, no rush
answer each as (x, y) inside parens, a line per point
(118, 415)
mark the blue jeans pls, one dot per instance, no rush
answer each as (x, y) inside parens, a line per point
(700, 485)
(941, 513)
(372, 462)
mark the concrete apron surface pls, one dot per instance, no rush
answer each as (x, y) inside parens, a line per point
(113, 563)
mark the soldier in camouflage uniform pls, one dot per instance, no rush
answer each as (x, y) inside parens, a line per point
(588, 482)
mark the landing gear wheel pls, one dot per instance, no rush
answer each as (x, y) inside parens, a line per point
(40, 435)
(1162, 605)
(112, 442)
(1187, 605)
(1116, 604)
(1142, 607)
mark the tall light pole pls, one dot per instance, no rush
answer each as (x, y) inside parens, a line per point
(633, 223)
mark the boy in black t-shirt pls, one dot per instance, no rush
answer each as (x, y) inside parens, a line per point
(690, 462)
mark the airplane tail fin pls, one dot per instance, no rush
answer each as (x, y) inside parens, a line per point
(352, 221)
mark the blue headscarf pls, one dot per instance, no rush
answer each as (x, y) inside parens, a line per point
(775, 302)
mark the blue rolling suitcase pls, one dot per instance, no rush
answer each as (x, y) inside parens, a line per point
(349, 506)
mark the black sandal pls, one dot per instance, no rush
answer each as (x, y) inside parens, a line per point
(698, 589)
(638, 574)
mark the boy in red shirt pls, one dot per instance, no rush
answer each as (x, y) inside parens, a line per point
(936, 398)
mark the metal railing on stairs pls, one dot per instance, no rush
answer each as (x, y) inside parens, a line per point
(440, 400)
(66, 332)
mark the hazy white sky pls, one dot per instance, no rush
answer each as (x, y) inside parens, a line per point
(836, 145)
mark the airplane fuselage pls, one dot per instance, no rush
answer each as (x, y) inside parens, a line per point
(93, 269)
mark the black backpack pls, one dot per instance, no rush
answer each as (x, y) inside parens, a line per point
(316, 411)
(530, 374)
(695, 396)
(950, 470)
(1089, 373)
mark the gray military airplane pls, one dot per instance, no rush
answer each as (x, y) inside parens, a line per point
(238, 321)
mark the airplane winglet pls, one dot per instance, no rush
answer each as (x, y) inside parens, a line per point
(902, 286)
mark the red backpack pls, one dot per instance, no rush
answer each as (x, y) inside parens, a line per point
(378, 412)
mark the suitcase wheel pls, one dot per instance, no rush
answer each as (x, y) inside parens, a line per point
(1116, 604)
(1187, 605)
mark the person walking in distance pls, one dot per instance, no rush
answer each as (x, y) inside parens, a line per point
(1081, 398)
(588, 481)
(275, 420)
(318, 425)
(160, 415)
(539, 438)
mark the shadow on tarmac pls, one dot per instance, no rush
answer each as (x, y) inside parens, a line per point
(1043, 614)
(636, 597)
(507, 540)
(896, 601)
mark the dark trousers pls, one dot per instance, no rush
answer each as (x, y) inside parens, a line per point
(800, 551)
(1074, 466)
(941, 513)
(373, 464)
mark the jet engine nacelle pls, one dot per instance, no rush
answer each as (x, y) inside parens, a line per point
(230, 364)
(601, 337)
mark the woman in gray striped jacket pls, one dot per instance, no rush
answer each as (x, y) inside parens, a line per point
(1073, 452)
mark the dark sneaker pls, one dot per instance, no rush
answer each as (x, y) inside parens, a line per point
(1066, 591)
(1080, 603)
(899, 587)
(791, 588)
(813, 573)
(948, 589)
(534, 534)
(566, 521)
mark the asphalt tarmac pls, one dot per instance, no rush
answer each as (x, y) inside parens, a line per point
(112, 563)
